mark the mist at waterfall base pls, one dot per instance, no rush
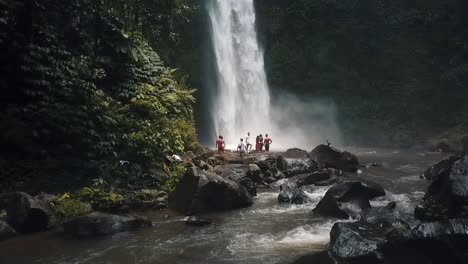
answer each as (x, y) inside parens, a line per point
(241, 100)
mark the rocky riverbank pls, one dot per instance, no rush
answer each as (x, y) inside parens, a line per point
(438, 233)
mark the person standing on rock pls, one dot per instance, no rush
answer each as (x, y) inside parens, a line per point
(267, 141)
(260, 142)
(257, 143)
(241, 148)
(247, 142)
(220, 144)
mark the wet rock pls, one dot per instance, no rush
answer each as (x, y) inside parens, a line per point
(348, 199)
(327, 156)
(291, 193)
(310, 178)
(331, 181)
(250, 185)
(447, 196)
(386, 217)
(263, 165)
(434, 242)
(233, 172)
(99, 224)
(299, 166)
(356, 242)
(254, 173)
(440, 168)
(199, 191)
(6, 231)
(281, 163)
(270, 179)
(197, 221)
(27, 214)
(321, 257)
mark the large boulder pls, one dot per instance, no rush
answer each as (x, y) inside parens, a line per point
(440, 168)
(233, 172)
(364, 242)
(250, 185)
(309, 178)
(254, 173)
(27, 214)
(356, 242)
(6, 231)
(329, 157)
(348, 199)
(199, 191)
(299, 166)
(281, 163)
(290, 193)
(447, 196)
(99, 224)
(434, 242)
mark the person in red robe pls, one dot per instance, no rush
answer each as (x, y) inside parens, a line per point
(220, 144)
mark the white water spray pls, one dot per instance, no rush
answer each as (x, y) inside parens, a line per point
(242, 98)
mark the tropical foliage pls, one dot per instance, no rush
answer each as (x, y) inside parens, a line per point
(83, 88)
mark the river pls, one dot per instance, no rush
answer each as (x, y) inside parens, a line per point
(263, 233)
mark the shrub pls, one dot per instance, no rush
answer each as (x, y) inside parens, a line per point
(67, 207)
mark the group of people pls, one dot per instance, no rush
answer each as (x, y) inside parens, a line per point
(246, 147)
(260, 142)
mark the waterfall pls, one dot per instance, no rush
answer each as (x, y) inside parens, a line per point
(242, 97)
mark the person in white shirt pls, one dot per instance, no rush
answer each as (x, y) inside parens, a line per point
(247, 143)
(241, 148)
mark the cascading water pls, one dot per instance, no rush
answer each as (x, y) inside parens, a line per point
(242, 101)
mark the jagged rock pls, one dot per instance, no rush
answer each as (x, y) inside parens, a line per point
(447, 196)
(98, 224)
(281, 163)
(348, 199)
(321, 257)
(434, 242)
(197, 221)
(356, 242)
(291, 193)
(442, 167)
(6, 231)
(27, 214)
(327, 156)
(198, 191)
(159, 174)
(386, 217)
(233, 172)
(310, 178)
(270, 179)
(254, 173)
(299, 166)
(249, 184)
(263, 165)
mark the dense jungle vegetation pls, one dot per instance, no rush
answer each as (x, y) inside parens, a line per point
(83, 88)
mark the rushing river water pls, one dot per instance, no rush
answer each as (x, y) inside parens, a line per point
(264, 233)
